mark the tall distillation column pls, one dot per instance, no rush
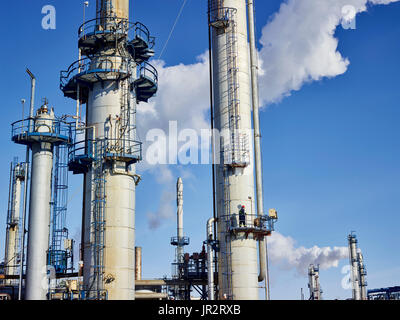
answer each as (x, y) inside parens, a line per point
(313, 283)
(237, 260)
(363, 272)
(355, 277)
(180, 241)
(12, 250)
(41, 134)
(111, 79)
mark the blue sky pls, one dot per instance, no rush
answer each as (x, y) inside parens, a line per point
(330, 150)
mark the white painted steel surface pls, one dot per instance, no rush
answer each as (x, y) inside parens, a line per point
(238, 274)
(39, 213)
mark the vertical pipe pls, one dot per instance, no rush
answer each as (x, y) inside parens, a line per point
(138, 263)
(32, 106)
(23, 224)
(10, 204)
(210, 258)
(213, 156)
(257, 141)
(33, 88)
(179, 192)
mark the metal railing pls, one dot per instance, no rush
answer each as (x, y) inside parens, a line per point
(180, 241)
(114, 25)
(142, 32)
(105, 25)
(100, 64)
(118, 148)
(41, 127)
(93, 295)
(217, 12)
(249, 222)
(146, 70)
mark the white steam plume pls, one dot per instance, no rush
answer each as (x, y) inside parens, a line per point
(283, 253)
(299, 46)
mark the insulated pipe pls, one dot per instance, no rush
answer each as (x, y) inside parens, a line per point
(257, 134)
(33, 88)
(210, 258)
(179, 193)
(138, 263)
(23, 224)
(32, 105)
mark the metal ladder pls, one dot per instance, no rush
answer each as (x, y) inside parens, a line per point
(227, 249)
(232, 155)
(98, 220)
(59, 233)
(233, 85)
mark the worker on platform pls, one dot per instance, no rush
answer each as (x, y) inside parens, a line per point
(242, 217)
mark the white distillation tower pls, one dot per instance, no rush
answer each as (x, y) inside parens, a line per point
(111, 78)
(12, 250)
(358, 270)
(41, 134)
(240, 224)
(313, 283)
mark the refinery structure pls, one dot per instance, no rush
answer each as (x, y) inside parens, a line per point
(111, 76)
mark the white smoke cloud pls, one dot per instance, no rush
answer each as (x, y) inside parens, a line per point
(182, 97)
(165, 210)
(299, 46)
(283, 253)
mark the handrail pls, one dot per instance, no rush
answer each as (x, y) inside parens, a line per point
(148, 71)
(95, 64)
(118, 25)
(121, 24)
(252, 221)
(114, 147)
(57, 127)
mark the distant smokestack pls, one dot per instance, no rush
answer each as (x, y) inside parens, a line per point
(353, 259)
(179, 198)
(362, 272)
(313, 283)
